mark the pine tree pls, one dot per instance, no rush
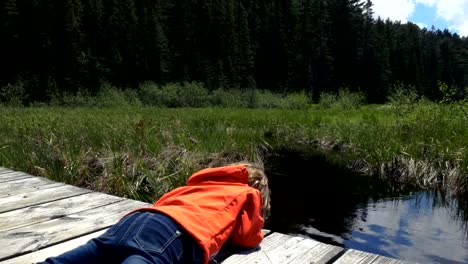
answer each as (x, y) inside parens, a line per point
(10, 24)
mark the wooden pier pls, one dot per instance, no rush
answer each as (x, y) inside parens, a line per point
(40, 218)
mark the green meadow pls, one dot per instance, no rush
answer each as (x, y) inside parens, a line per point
(140, 151)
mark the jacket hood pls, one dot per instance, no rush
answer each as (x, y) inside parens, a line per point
(227, 174)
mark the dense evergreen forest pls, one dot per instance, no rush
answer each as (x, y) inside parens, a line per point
(51, 47)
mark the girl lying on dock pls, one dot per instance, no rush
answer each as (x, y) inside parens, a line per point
(189, 224)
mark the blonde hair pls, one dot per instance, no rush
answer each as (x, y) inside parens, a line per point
(259, 181)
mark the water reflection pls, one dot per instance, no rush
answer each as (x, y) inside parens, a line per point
(410, 228)
(313, 198)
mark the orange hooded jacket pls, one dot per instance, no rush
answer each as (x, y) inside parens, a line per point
(216, 205)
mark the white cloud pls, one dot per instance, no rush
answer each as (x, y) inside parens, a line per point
(395, 9)
(455, 12)
(462, 28)
(414, 229)
(451, 9)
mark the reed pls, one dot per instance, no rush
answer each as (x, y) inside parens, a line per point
(142, 152)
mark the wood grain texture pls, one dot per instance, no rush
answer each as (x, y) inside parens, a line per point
(52, 251)
(32, 181)
(321, 253)
(228, 250)
(33, 237)
(39, 197)
(56, 209)
(359, 257)
(11, 176)
(17, 185)
(28, 189)
(280, 248)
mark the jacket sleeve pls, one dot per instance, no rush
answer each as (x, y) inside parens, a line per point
(247, 231)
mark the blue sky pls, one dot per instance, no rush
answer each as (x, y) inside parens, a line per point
(426, 16)
(451, 14)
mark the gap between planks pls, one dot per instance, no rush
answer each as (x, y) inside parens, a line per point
(44, 234)
(279, 248)
(44, 212)
(19, 201)
(11, 176)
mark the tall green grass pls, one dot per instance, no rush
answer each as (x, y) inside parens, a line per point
(142, 143)
(143, 152)
(344, 100)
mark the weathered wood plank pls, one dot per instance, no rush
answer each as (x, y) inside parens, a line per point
(32, 181)
(359, 257)
(4, 170)
(251, 254)
(280, 248)
(228, 250)
(322, 253)
(304, 251)
(33, 237)
(11, 176)
(29, 189)
(258, 255)
(288, 250)
(20, 183)
(52, 251)
(56, 209)
(38, 197)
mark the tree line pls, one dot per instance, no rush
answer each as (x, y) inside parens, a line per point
(51, 47)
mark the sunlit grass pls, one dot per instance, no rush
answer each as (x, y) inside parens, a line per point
(142, 152)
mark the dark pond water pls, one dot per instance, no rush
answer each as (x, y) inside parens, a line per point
(312, 197)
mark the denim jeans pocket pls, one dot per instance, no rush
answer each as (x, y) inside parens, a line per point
(124, 222)
(157, 233)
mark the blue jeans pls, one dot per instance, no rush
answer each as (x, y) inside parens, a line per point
(141, 237)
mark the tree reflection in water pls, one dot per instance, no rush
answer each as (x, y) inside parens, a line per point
(313, 197)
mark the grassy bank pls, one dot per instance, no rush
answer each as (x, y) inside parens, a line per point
(141, 152)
